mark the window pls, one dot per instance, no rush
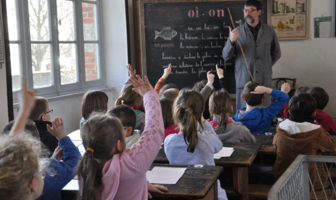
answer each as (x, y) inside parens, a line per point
(56, 45)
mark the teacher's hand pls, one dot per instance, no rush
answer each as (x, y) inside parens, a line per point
(234, 35)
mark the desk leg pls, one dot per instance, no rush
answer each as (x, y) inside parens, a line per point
(240, 182)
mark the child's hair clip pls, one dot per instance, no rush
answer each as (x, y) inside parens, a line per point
(186, 110)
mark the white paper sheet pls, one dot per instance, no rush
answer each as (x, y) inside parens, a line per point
(225, 152)
(72, 185)
(165, 175)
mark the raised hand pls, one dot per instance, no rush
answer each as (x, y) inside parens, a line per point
(57, 128)
(26, 101)
(210, 77)
(166, 72)
(261, 90)
(140, 86)
(26, 97)
(220, 72)
(131, 72)
(234, 35)
(285, 87)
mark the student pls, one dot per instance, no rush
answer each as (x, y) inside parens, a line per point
(166, 87)
(168, 120)
(206, 88)
(220, 107)
(127, 118)
(62, 164)
(323, 118)
(171, 94)
(40, 114)
(254, 117)
(19, 156)
(285, 110)
(134, 100)
(299, 135)
(227, 130)
(93, 101)
(196, 143)
(29, 128)
(107, 170)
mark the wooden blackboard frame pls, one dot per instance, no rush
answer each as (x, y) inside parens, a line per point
(139, 23)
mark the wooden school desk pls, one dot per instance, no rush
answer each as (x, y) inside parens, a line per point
(240, 160)
(195, 183)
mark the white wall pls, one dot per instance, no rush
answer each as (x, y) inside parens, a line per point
(115, 39)
(312, 62)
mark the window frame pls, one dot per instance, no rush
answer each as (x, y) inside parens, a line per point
(24, 41)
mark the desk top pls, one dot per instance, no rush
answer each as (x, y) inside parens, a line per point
(195, 182)
(243, 155)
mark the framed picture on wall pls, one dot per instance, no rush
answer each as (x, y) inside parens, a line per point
(290, 18)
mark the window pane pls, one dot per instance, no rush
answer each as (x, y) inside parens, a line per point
(91, 62)
(42, 65)
(89, 21)
(12, 20)
(65, 20)
(68, 64)
(39, 20)
(15, 66)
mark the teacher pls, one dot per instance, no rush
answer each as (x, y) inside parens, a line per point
(261, 47)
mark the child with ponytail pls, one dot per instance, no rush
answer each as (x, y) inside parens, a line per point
(196, 143)
(107, 170)
(227, 130)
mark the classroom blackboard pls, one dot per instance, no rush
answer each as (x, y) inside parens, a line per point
(188, 34)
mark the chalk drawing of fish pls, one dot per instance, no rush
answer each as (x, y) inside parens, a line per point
(166, 33)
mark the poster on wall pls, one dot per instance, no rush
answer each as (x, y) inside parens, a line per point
(322, 27)
(290, 19)
(2, 41)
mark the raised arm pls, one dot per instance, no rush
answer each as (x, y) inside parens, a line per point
(206, 91)
(26, 102)
(163, 79)
(65, 169)
(145, 150)
(280, 99)
(220, 74)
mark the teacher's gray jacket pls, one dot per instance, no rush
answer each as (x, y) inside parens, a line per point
(260, 55)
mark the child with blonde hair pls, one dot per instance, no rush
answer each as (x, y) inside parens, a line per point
(107, 170)
(196, 143)
(20, 165)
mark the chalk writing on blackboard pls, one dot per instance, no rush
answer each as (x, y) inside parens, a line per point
(191, 37)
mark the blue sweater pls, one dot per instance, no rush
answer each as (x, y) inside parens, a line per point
(208, 144)
(259, 120)
(60, 173)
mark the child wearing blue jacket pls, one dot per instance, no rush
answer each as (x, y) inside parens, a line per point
(60, 173)
(254, 117)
